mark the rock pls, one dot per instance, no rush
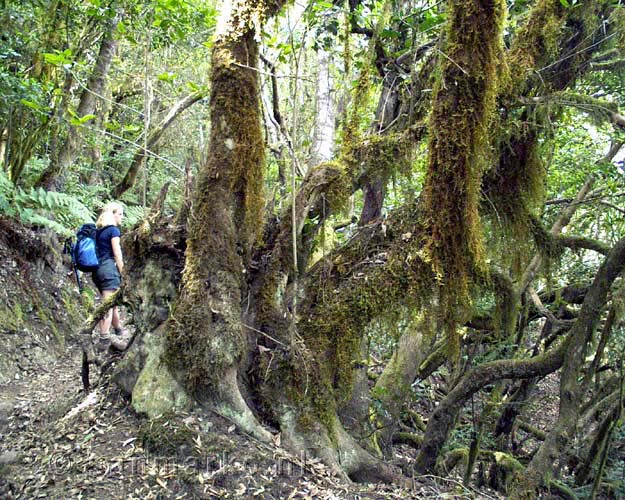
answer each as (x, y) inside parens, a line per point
(157, 391)
(120, 342)
(6, 409)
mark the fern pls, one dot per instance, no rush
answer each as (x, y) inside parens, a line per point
(134, 215)
(59, 212)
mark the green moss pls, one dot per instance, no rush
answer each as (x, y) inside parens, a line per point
(513, 193)
(506, 306)
(463, 107)
(204, 333)
(11, 318)
(537, 42)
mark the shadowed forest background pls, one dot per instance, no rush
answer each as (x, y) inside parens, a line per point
(386, 234)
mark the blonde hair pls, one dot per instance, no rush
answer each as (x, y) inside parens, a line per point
(107, 216)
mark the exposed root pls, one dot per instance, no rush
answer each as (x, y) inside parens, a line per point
(231, 405)
(341, 453)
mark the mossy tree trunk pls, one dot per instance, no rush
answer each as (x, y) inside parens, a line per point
(205, 337)
(298, 330)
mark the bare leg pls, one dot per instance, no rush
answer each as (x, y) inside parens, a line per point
(105, 322)
(117, 323)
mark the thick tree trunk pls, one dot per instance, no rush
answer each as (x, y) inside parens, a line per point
(205, 340)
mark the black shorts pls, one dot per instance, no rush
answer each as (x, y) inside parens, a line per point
(107, 276)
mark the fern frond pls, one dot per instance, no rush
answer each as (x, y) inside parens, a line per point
(57, 211)
(134, 215)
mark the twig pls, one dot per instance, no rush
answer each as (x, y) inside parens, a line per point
(265, 334)
(452, 61)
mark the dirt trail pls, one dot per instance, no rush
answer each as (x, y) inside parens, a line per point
(61, 443)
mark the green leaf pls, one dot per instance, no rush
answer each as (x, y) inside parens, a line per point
(85, 119)
(31, 105)
(167, 76)
(112, 125)
(132, 128)
(193, 86)
(565, 3)
(58, 58)
(388, 33)
(55, 59)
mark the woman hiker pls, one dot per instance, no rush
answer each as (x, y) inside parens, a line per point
(107, 277)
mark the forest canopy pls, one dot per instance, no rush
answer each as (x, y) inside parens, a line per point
(333, 206)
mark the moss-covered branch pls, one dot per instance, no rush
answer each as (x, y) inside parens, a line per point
(581, 242)
(439, 424)
(463, 106)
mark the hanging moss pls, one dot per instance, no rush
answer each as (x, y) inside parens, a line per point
(537, 42)
(464, 102)
(513, 194)
(385, 154)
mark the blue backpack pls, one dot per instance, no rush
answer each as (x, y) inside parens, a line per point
(83, 253)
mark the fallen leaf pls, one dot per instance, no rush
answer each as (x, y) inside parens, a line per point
(277, 439)
(128, 441)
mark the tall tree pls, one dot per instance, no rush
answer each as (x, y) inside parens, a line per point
(261, 333)
(66, 152)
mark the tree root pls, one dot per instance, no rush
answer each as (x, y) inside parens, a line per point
(229, 403)
(342, 454)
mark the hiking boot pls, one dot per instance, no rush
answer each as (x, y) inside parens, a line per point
(121, 339)
(101, 341)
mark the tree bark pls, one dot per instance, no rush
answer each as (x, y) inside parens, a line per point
(205, 340)
(392, 388)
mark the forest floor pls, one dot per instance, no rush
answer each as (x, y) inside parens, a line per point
(58, 442)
